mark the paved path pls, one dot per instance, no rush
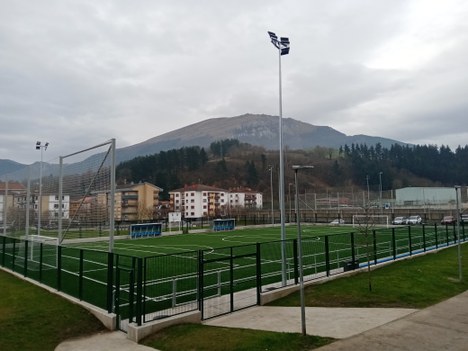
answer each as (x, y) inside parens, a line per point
(440, 327)
(337, 323)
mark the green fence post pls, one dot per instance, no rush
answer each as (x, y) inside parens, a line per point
(446, 235)
(26, 242)
(327, 256)
(296, 261)
(3, 250)
(436, 236)
(393, 244)
(409, 241)
(110, 284)
(143, 300)
(59, 268)
(139, 292)
(353, 253)
(424, 237)
(259, 272)
(374, 243)
(40, 261)
(231, 280)
(80, 278)
(13, 256)
(200, 282)
(131, 291)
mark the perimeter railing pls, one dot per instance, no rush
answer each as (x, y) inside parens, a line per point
(216, 281)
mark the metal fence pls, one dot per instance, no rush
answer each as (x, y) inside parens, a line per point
(215, 281)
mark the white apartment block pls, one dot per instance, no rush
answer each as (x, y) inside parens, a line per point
(245, 198)
(197, 201)
(52, 206)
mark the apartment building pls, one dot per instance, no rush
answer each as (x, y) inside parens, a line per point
(137, 202)
(245, 198)
(198, 200)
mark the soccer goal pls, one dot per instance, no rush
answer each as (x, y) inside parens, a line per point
(86, 196)
(371, 220)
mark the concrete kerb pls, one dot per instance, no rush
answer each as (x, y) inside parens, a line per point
(137, 333)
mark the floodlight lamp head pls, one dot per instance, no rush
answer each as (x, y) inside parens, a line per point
(45, 146)
(38, 145)
(296, 167)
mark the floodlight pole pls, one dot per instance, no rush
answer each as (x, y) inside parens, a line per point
(299, 247)
(41, 147)
(460, 274)
(283, 49)
(380, 191)
(271, 188)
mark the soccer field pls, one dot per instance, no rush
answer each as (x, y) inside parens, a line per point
(179, 243)
(174, 273)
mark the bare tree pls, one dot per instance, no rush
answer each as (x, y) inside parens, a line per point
(365, 224)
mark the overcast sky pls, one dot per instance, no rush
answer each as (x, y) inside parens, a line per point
(78, 73)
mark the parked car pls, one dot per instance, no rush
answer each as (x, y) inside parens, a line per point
(338, 221)
(399, 220)
(412, 220)
(447, 220)
(464, 218)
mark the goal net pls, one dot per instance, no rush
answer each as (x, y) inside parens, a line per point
(86, 196)
(371, 220)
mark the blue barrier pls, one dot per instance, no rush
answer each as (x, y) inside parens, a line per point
(224, 224)
(145, 230)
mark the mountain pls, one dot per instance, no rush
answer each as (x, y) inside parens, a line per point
(8, 166)
(259, 130)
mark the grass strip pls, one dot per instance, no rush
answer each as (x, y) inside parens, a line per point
(32, 318)
(196, 337)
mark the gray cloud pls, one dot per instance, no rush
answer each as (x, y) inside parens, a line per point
(76, 73)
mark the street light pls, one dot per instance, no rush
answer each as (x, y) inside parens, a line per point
(41, 147)
(299, 247)
(380, 190)
(368, 196)
(457, 191)
(290, 202)
(283, 49)
(270, 168)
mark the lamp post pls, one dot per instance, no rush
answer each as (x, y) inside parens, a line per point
(457, 191)
(380, 190)
(41, 147)
(299, 247)
(270, 168)
(290, 202)
(283, 49)
(368, 196)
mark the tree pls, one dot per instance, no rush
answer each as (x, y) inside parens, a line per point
(365, 238)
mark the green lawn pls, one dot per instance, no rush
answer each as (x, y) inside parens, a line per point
(32, 318)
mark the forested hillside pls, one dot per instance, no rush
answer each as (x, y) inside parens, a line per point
(229, 163)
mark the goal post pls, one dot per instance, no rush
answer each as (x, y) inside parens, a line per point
(86, 194)
(371, 220)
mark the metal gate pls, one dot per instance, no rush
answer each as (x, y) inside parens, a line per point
(229, 281)
(128, 291)
(124, 296)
